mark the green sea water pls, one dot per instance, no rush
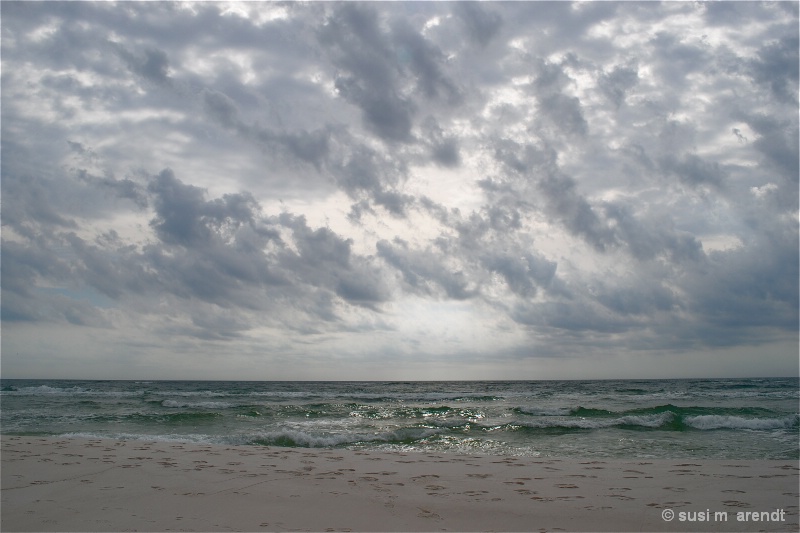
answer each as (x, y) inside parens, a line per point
(711, 418)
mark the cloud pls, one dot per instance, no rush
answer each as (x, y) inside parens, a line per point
(656, 237)
(183, 217)
(368, 74)
(325, 259)
(522, 274)
(481, 24)
(425, 62)
(693, 170)
(152, 64)
(425, 271)
(618, 82)
(601, 180)
(776, 66)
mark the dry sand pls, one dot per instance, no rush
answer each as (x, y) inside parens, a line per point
(98, 485)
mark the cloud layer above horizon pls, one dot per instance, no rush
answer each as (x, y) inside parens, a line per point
(406, 190)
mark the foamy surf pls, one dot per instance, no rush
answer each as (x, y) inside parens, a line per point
(674, 418)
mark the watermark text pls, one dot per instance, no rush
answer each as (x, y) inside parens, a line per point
(778, 515)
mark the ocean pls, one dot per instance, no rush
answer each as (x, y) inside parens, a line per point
(687, 418)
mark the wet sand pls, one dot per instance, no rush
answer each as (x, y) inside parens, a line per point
(51, 484)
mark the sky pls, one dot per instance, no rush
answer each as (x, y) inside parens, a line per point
(399, 191)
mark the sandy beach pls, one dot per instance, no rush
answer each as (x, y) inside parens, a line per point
(53, 484)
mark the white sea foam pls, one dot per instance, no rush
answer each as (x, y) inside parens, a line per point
(650, 421)
(737, 422)
(196, 405)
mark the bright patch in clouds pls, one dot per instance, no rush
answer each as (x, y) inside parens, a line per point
(404, 190)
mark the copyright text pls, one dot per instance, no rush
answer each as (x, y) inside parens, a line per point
(778, 515)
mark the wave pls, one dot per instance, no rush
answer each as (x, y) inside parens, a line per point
(633, 391)
(434, 411)
(706, 422)
(173, 404)
(422, 434)
(666, 417)
(379, 397)
(591, 412)
(201, 393)
(46, 390)
(661, 420)
(302, 439)
(172, 418)
(543, 411)
(283, 437)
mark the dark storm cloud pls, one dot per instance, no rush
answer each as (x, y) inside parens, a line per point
(558, 191)
(386, 74)
(33, 200)
(120, 188)
(388, 116)
(776, 66)
(444, 149)
(694, 170)
(151, 64)
(563, 111)
(395, 203)
(743, 291)
(446, 152)
(308, 146)
(675, 58)
(311, 147)
(66, 260)
(425, 271)
(221, 251)
(59, 198)
(607, 226)
(325, 259)
(462, 264)
(565, 318)
(638, 297)
(424, 61)
(618, 82)
(212, 251)
(68, 44)
(22, 264)
(368, 74)
(522, 274)
(183, 216)
(481, 24)
(777, 142)
(221, 109)
(109, 265)
(371, 176)
(648, 239)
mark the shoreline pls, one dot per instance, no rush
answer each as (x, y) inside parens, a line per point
(60, 484)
